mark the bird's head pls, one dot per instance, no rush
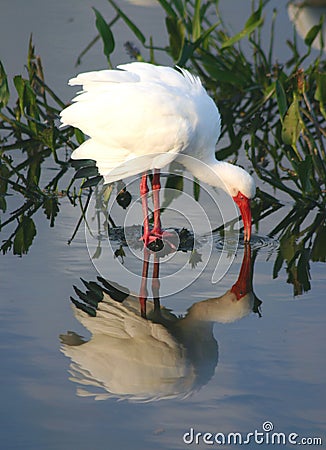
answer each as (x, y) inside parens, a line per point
(242, 193)
(242, 188)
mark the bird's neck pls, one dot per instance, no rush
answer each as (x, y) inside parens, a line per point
(208, 170)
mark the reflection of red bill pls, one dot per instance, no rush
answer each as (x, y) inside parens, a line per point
(244, 205)
(243, 285)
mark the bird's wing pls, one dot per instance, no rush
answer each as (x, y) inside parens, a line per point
(182, 79)
(118, 163)
(133, 114)
(122, 321)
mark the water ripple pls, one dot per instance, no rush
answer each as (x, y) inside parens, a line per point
(263, 243)
(257, 242)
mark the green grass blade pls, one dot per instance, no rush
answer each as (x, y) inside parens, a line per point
(196, 25)
(281, 98)
(168, 8)
(129, 23)
(254, 21)
(4, 90)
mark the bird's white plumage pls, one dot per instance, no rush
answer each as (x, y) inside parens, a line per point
(129, 357)
(142, 117)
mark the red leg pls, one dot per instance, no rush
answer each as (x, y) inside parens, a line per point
(144, 203)
(156, 186)
(156, 234)
(148, 235)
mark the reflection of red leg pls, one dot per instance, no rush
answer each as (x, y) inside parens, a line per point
(143, 294)
(156, 277)
(156, 284)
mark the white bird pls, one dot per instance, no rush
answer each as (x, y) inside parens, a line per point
(141, 117)
(163, 357)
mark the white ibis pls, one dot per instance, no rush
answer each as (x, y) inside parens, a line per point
(163, 357)
(141, 117)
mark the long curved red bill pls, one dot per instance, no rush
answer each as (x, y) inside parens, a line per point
(243, 203)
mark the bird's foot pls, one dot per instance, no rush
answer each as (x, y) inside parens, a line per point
(153, 242)
(156, 240)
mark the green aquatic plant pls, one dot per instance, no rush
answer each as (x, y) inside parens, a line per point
(29, 137)
(277, 111)
(273, 110)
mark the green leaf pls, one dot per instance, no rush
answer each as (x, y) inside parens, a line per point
(86, 172)
(225, 152)
(78, 163)
(313, 33)
(254, 21)
(4, 176)
(196, 25)
(180, 6)
(79, 136)
(304, 170)
(47, 137)
(281, 99)
(4, 90)
(320, 94)
(168, 8)
(51, 208)
(92, 182)
(205, 34)
(292, 124)
(105, 33)
(195, 258)
(20, 88)
(3, 204)
(31, 106)
(176, 30)
(129, 23)
(303, 270)
(24, 236)
(225, 76)
(190, 47)
(196, 189)
(27, 103)
(318, 252)
(173, 188)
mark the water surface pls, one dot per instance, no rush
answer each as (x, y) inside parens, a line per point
(268, 366)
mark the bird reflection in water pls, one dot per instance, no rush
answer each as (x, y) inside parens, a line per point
(143, 352)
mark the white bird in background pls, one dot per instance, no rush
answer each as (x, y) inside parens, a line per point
(141, 117)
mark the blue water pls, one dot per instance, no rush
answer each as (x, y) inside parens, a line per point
(268, 368)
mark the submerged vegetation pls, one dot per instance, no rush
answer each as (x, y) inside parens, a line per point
(273, 110)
